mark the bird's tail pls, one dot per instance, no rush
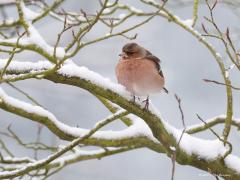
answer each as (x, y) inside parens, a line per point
(165, 90)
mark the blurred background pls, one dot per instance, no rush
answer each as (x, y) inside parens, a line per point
(185, 62)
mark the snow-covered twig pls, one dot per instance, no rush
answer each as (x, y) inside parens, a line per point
(38, 164)
(32, 145)
(147, 128)
(43, 116)
(33, 41)
(210, 123)
(189, 147)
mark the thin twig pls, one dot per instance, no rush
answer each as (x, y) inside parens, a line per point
(220, 83)
(195, 12)
(11, 55)
(24, 93)
(74, 143)
(227, 127)
(182, 133)
(229, 151)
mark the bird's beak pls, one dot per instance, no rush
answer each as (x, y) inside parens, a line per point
(123, 55)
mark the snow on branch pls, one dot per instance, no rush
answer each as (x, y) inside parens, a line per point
(43, 116)
(147, 125)
(35, 42)
(32, 15)
(41, 163)
(190, 146)
(210, 123)
(77, 156)
(32, 40)
(80, 155)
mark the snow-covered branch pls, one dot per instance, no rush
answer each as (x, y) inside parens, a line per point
(143, 128)
(41, 163)
(64, 131)
(194, 149)
(210, 123)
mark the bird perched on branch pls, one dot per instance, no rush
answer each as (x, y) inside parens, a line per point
(139, 71)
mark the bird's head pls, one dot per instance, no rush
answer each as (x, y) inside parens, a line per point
(132, 50)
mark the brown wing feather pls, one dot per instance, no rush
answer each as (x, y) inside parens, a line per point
(156, 60)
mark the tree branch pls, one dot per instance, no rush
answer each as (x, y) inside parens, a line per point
(166, 135)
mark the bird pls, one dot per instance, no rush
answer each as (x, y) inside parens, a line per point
(139, 71)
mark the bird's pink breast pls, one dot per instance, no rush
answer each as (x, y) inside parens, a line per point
(139, 76)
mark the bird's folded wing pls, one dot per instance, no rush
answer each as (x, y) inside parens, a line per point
(157, 61)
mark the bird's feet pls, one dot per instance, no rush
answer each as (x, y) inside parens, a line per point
(146, 103)
(133, 98)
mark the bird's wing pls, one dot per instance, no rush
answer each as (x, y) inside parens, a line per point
(156, 60)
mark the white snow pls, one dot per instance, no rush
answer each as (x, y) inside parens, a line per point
(69, 69)
(236, 120)
(188, 22)
(110, 3)
(172, 148)
(85, 73)
(206, 149)
(106, 11)
(203, 148)
(135, 10)
(9, 20)
(8, 158)
(218, 55)
(122, 15)
(28, 13)
(226, 74)
(151, 1)
(233, 162)
(232, 66)
(26, 66)
(34, 36)
(138, 128)
(79, 152)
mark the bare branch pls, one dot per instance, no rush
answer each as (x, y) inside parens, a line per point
(219, 83)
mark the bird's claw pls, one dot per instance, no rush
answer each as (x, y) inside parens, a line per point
(146, 103)
(133, 98)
